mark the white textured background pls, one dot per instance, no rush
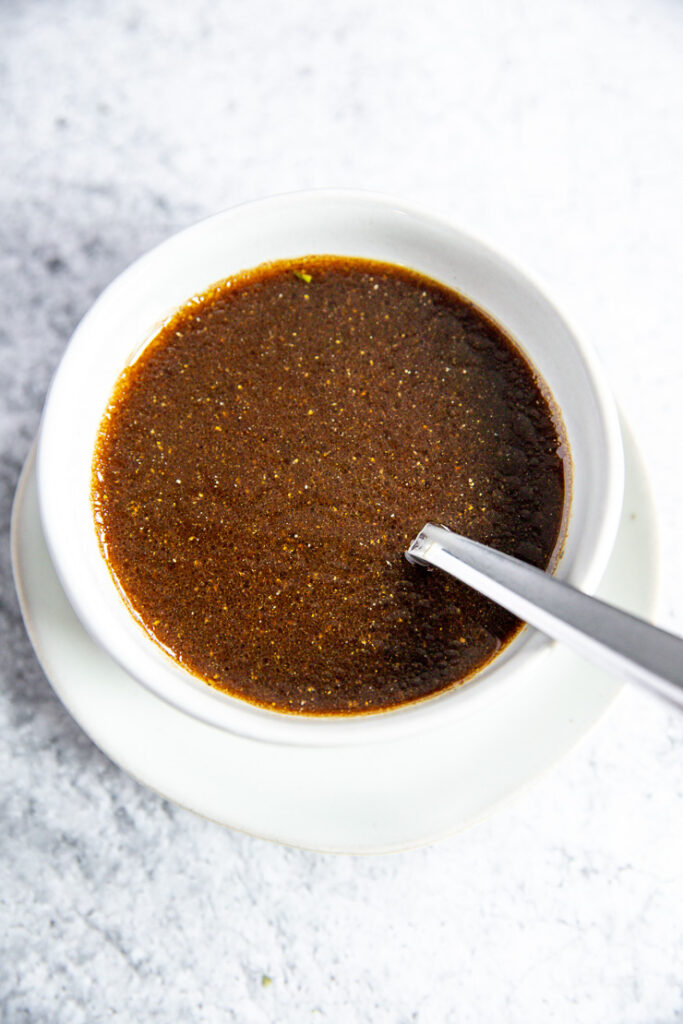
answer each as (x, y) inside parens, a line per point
(555, 132)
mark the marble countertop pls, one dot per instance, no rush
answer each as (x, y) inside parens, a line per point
(552, 131)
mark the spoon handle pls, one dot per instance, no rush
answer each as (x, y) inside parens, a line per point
(610, 638)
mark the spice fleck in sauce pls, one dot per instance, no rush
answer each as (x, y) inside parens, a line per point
(263, 465)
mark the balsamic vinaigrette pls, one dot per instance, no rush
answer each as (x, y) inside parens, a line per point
(265, 462)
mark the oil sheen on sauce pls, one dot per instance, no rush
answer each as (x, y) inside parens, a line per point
(264, 463)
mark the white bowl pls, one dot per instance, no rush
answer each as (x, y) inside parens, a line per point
(130, 311)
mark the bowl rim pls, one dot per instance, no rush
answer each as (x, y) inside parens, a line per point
(251, 721)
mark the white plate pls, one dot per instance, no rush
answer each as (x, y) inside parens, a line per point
(376, 798)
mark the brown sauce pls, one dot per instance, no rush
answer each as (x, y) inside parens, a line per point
(265, 462)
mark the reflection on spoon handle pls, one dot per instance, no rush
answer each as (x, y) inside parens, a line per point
(610, 638)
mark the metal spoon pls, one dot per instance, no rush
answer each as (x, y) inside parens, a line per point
(612, 639)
